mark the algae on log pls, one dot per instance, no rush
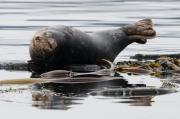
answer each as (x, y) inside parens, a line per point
(153, 56)
(163, 66)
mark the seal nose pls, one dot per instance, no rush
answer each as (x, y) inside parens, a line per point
(37, 38)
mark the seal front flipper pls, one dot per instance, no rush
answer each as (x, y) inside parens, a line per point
(140, 31)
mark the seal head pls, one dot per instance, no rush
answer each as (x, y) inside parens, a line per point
(43, 45)
(140, 31)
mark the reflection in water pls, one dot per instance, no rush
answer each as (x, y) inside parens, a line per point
(50, 100)
(142, 96)
(138, 101)
(44, 97)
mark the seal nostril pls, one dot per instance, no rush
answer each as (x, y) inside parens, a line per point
(37, 38)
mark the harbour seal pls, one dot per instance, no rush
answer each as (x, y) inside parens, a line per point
(58, 46)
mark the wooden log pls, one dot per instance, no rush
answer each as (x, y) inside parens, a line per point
(19, 65)
(14, 65)
(153, 56)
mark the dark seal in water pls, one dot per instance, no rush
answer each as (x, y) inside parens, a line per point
(58, 46)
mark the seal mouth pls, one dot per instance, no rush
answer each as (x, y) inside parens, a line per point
(141, 39)
(140, 31)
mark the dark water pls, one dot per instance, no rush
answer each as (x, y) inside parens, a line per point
(20, 19)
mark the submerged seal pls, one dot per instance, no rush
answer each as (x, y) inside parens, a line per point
(58, 46)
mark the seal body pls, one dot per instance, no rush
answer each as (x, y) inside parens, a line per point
(58, 46)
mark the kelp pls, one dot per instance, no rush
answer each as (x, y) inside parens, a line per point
(159, 67)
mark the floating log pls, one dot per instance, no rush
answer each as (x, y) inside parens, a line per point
(81, 84)
(85, 85)
(19, 65)
(154, 56)
(14, 65)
